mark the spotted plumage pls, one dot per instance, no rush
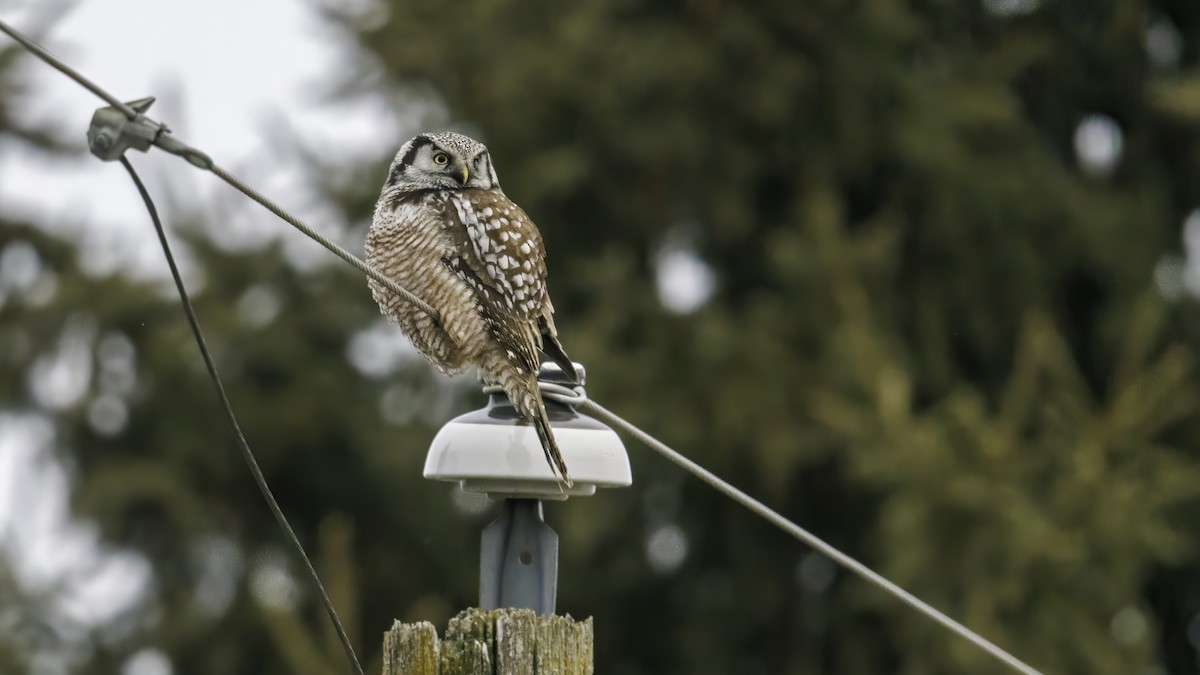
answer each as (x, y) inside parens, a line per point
(445, 230)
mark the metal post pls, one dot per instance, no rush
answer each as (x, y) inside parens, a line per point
(518, 564)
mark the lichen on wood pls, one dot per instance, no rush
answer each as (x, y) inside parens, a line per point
(411, 649)
(496, 642)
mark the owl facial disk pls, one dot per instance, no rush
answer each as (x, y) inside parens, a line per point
(442, 161)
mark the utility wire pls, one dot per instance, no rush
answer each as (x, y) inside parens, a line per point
(340, 252)
(578, 398)
(44, 54)
(166, 141)
(771, 516)
(201, 160)
(566, 395)
(233, 423)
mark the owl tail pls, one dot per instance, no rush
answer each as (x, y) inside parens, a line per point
(553, 455)
(530, 405)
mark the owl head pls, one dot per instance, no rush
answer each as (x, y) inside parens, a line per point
(442, 161)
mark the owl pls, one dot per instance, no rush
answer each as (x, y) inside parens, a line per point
(444, 230)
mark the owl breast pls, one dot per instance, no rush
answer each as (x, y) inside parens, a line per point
(407, 242)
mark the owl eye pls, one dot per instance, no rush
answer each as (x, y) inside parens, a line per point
(441, 158)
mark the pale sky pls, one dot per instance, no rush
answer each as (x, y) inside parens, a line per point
(225, 73)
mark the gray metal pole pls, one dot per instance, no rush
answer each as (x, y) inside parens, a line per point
(518, 564)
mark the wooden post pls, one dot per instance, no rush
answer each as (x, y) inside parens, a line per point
(496, 642)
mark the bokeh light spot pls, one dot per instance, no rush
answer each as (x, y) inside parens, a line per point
(1099, 143)
(666, 548)
(147, 662)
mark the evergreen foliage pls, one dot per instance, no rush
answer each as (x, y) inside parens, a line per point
(936, 339)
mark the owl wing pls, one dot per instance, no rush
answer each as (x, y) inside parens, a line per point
(550, 344)
(498, 251)
(514, 336)
(502, 246)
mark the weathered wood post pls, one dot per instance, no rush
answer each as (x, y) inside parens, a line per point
(496, 642)
(516, 631)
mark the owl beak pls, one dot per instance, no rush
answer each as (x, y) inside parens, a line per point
(466, 175)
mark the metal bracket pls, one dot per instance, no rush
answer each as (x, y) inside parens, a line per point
(112, 132)
(518, 564)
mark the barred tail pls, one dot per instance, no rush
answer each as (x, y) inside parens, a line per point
(550, 446)
(530, 405)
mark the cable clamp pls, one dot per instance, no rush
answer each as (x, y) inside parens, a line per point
(551, 390)
(113, 131)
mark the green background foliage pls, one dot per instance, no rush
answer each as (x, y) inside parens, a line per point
(934, 340)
